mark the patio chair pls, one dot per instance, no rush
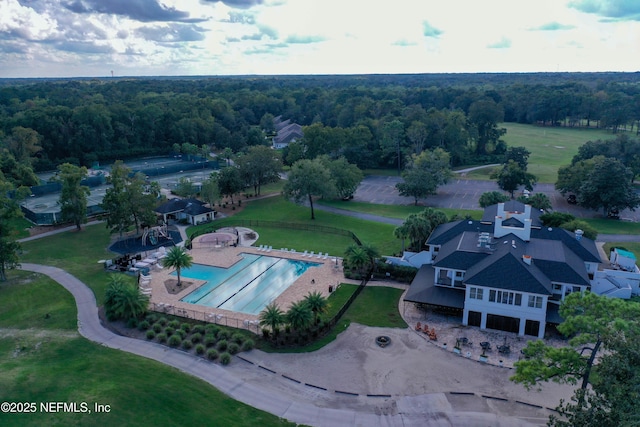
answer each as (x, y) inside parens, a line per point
(326, 255)
(319, 255)
(304, 254)
(311, 254)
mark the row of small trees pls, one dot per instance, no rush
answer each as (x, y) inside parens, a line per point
(301, 316)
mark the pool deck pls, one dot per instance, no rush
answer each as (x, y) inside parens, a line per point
(314, 279)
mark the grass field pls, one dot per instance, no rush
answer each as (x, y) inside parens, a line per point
(278, 209)
(21, 225)
(551, 147)
(396, 211)
(77, 252)
(43, 359)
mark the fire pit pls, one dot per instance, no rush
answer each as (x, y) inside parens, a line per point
(383, 341)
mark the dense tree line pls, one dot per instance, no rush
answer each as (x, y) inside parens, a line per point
(373, 121)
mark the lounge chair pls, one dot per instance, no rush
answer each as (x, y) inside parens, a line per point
(270, 248)
(304, 254)
(311, 254)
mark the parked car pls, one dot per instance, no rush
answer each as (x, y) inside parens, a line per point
(613, 213)
(572, 199)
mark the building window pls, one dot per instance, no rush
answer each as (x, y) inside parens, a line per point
(475, 293)
(535, 301)
(505, 297)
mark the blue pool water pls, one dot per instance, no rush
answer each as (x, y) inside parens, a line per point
(248, 286)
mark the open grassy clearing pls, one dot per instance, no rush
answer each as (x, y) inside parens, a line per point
(551, 147)
(139, 391)
(396, 211)
(612, 226)
(77, 252)
(44, 359)
(21, 225)
(30, 300)
(278, 209)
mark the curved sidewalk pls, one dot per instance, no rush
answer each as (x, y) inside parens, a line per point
(423, 410)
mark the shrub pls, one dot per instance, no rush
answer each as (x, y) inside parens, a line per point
(181, 333)
(212, 354)
(187, 344)
(150, 334)
(233, 348)
(200, 349)
(174, 324)
(151, 318)
(212, 330)
(196, 338)
(223, 335)
(169, 331)
(162, 337)
(248, 345)
(209, 340)
(225, 358)
(124, 301)
(163, 321)
(185, 327)
(265, 333)
(198, 329)
(132, 322)
(144, 325)
(174, 340)
(157, 327)
(237, 338)
(223, 345)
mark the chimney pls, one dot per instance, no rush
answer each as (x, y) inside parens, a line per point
(579, 234)
(526, 259)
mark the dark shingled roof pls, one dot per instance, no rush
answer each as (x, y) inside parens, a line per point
(584, 248)
(509, 271)
(188, 206)
(424, 291)
(446, 232)
(461, 252)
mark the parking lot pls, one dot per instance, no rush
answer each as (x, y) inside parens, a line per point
(461, 193)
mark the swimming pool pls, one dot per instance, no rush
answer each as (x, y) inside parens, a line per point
(248, 286)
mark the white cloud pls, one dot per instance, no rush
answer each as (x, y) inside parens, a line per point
(314, 36)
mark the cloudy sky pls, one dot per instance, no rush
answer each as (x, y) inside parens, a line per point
(67, 38)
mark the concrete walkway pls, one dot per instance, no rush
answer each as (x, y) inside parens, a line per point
(417, 410)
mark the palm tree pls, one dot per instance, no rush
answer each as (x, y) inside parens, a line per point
(272, 317)
(177, 258)
(124, 300)
(316, 303)
(299, 316)
(372, 255)
(356, 259)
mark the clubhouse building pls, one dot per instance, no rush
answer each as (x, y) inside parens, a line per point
(505, 272)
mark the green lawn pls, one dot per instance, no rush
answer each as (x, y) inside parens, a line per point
(21, 225)
(395, 211)
(278, 209)
(77, 252)
(29, 300)
(386, 314)
(612, 226)
(43, 359)
(551, 147)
